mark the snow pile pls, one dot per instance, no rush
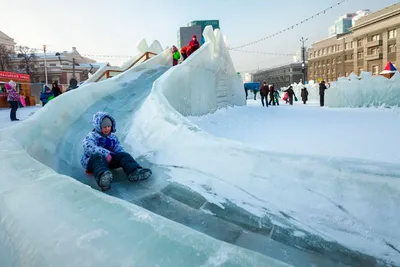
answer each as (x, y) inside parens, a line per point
(368, 91)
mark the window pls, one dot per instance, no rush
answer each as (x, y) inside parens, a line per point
(359, 43)
(375, 70)
(352, 56)
(392, 34)
(375, 37)
(352, 44)
(392, 48)
(374, 51)
(339, 59)
(53, 64)
(360, 55)
(347, 74)
(339, 47)
(360, 70)
(346, 58)
(333, 61)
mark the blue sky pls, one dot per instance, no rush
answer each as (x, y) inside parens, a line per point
(113, 27)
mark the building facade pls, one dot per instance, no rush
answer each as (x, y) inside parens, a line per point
(281, 76)
(7, 41)
(371, 43)
(61, 67)
(185, 35)
(204, 23)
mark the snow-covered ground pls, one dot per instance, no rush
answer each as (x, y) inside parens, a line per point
(22, 114)
(363, 133)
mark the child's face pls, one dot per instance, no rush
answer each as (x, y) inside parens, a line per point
(106, 130)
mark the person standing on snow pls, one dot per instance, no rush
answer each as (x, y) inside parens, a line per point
(322, 88)
(276, 96)
(304, 95)
(290, 94)
(46, 95)
(271, 95)
(264, 94)
(55, 89)
(12, 99)
(103, 151)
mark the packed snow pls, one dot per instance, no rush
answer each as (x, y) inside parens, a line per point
(359, 133)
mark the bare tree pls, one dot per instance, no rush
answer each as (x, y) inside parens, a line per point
(27, 56)
(5, 58)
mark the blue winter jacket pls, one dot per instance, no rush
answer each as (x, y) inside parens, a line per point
(96, 142)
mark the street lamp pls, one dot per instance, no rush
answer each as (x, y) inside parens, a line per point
(303, 58)
(45, 65)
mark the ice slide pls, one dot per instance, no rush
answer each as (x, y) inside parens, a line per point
(50, 219)
(148, 103)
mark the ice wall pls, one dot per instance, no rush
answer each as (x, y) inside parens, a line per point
(205, 81)
(352, 91)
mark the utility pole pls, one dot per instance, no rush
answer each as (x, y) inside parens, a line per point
(73, 68)
(303, 58)
(45, 65)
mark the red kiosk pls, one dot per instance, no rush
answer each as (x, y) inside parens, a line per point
(23, 87)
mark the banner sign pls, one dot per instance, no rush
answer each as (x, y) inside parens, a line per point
(12, 75)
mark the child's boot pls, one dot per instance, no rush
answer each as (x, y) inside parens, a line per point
(139, 174)
(105, 181)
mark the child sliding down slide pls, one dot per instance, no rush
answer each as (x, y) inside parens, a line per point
(102, 152)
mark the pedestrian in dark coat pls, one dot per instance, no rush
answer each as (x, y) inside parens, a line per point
(264, 94)
(290, 94)
(271, 95)
(56, 90)
(304, 95)
(322, 88)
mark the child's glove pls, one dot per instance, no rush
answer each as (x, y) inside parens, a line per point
(109, 158)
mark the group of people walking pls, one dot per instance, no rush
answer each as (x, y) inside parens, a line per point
(270, 95)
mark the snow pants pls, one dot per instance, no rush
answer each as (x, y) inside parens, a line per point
(13, 111)
(321, 100)
(266, 100)
(98, 164)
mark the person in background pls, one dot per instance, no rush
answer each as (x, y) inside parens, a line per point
(276, 96)
(264, 91)
(55, 89)
(184, 53)
(73, 84)
(290, 94)
(304, 95)
(13, 99)
(271, 95)
(322, 88)
(193, 45)
(246, 91)
(46, 96)
(175, 55)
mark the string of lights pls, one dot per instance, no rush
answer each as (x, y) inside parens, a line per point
(233, 48)
(263, 53)
(290, 27)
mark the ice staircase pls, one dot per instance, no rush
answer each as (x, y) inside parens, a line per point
(222, 91)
